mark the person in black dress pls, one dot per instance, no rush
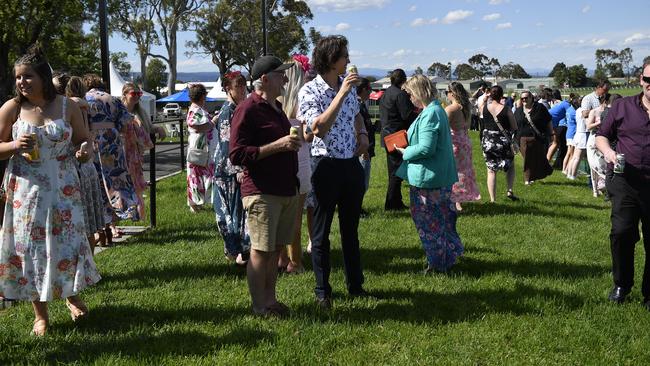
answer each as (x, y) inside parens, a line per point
(496, 144)
(535, 129)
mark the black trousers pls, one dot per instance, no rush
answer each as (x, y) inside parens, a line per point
(394, 191)
(336, 182)
(630, 197)
(560, 135)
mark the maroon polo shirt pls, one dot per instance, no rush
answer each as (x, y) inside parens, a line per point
(628, 122)
(254, 124)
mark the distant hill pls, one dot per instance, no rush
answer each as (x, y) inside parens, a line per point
(197, 76)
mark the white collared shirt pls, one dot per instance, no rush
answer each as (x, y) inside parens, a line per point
(340, 141)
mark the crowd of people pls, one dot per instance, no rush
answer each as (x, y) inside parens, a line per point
(301, 141)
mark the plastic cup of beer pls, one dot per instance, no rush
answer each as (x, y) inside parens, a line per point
(33, 155)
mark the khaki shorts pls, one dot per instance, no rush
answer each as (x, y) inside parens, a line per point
(271, 220)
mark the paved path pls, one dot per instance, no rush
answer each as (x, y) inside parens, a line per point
(168, 160)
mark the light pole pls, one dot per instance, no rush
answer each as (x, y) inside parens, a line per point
(103, 36)
(449, 66)
(265, 39)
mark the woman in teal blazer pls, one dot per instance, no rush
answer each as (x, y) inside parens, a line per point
(430, 168)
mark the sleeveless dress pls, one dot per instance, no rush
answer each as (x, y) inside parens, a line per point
(44, 253)
(466, 188)
(136, 143)
(199, 178)
(496, 146)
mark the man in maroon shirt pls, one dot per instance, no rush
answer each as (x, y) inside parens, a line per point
(261, 143)
(628, 123)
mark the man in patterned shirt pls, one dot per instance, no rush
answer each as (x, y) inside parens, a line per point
(329, 106)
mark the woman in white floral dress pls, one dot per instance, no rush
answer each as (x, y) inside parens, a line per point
(44, 252)
(201, 136)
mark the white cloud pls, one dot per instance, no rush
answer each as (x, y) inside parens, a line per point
(493, 16)
(586, 8)
(345, 5)
(355, 53)
(324, 28)
(600, 41)
(342, 26)
(456, 16)
(397, 24)
(526, 45)
(413, 8)
(539, 24)
(399, 53)
(418, 22)
(498, 2)
(503, 25)
(635, 38)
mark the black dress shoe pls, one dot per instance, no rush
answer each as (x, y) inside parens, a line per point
(399, 207)
(359, 293)
(618, 294)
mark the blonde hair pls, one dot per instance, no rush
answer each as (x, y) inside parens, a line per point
(142, 115)
(421, 88)
(290, 95)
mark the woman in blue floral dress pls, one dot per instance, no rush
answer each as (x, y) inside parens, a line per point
(108, 118)
(226, 196)
(44, 252)
(430, 168)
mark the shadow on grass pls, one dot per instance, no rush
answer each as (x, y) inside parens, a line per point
(420, 306)
(381, 261)
(571, 183)
(158, 345)
(149, 277)
(520, 208)
(170, 234)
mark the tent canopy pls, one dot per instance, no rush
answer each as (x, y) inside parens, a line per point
(182, 96)
(217, 92)
(147, 100)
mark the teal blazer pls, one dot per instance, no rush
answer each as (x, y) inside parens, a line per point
(429, 158)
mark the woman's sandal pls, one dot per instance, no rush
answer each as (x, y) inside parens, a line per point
(512, 196)
(40, 327)
(77, 311)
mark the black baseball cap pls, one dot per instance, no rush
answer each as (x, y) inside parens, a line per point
(266, 64)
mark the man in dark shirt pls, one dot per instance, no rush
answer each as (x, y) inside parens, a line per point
(628, 123)
(396, 112)
(261, 143)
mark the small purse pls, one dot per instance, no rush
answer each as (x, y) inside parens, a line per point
(514, 146)
(197, 157)
(398, 139)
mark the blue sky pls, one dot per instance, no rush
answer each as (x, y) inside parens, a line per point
(408, 33)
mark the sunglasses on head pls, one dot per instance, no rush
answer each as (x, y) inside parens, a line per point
(134, 93)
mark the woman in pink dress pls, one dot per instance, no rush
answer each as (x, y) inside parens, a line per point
(459, 114)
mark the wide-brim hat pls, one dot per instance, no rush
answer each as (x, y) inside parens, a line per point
(267, 64)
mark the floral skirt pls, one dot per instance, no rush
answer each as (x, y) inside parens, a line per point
(496, 150)
(466, 188)
(434, 215)
(230, 215)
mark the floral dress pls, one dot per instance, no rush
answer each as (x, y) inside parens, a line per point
(466, 188)
(136, 142)
(44, 252)
(107, 117)
(199, 178)
(226, 194)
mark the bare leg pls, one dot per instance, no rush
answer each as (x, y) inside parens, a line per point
(459, 207)
(567, 159)
(41, 318)
(492, 184)
(594, 182)
(270, 280)
(552, 148)
(510, 177)
(256, 273)
(575, 161)
(310, 220)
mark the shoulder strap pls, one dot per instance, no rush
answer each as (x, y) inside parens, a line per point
(64, 110)
(530, 122)
(496, 120)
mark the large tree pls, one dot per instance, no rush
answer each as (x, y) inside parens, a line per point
(133, 19)
(513, 71)
(625, 57)
(465, 71)
(576, 76)
(121, 64)
(229, 31)
(559, 68)
(156, 74)
(604, 57)
(170, 17)
(484, 64)
(57, 25)
(439, 69)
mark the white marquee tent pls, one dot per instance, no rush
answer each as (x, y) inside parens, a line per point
(217, 92)
(148, 100)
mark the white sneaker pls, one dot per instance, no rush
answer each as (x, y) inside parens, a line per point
(309, 247)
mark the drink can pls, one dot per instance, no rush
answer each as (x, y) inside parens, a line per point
(34, 154)
(619, 166)
(293, 131)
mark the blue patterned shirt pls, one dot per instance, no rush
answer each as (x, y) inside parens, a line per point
(340, 141)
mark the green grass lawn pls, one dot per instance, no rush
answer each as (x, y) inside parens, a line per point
(531, 289)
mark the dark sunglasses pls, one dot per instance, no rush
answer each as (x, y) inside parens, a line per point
(134, 93)
(646, 79)
(525, 98)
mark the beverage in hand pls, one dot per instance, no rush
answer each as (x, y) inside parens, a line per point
(352, 69)
(33, 155)
(294, 131)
